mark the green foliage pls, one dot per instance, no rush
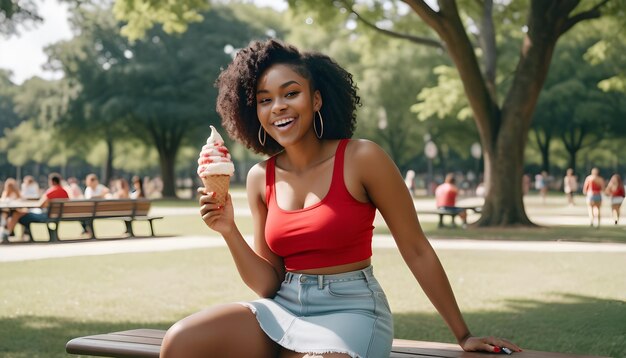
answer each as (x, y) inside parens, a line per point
(571, 105)
(443, 100)
(141, 15)
(16, 13)
(157, 89)
(8, 115)
(609, 51)
(40, 104)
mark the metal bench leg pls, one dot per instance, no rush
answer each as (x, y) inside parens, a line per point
(129, 227)
(151, 227)
(52, 233)
(440, 221)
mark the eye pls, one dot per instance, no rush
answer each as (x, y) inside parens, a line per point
(292, 93)
(263, 100)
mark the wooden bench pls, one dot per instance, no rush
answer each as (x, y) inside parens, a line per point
(451, 213)
(146, 343)
(87, 211)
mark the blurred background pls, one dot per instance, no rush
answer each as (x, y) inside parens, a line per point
(125, 91)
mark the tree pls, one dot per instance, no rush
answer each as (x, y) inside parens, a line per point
(7, 104)
(39, 104)
(503, 124)
(14, 13)
(158, 89)
(571, 107)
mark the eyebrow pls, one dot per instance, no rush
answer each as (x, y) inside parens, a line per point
(286, 84)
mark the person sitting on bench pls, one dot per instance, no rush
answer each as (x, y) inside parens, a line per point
(445, 196)
(313, 204)
(55, 191)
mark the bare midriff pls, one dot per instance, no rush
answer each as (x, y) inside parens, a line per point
(331, 270)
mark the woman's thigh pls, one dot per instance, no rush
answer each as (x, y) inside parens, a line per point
(229, 330)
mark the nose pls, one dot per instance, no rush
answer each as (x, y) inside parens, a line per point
(279, 106)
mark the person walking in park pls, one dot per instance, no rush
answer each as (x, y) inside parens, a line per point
(445, 197)
(615, 190)
(570, 186)
(593, 187)
(541, 185)
(313, 204)
(409, 181)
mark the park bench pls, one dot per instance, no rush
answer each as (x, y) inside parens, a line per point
(451, 213)
(146, 343)
(128, 210)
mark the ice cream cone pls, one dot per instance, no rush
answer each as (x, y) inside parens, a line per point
(218, 184)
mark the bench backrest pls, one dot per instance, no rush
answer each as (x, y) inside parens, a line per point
(98, 208)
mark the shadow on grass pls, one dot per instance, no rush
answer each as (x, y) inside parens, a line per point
(36, 336)
(574, 324)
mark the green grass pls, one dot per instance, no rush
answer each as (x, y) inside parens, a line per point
(568, 302)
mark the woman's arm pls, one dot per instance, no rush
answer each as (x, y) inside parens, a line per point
(260, 270)
(385, 188)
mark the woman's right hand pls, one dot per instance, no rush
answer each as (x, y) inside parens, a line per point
(218, 218)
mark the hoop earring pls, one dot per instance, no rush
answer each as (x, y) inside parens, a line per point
(262, 141)
(321, 133)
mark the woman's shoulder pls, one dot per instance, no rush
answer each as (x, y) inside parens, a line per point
(364, 149)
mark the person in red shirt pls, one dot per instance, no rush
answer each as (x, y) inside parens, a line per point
(593, 188)
(313, 204)
(55, 191)
(445, 196)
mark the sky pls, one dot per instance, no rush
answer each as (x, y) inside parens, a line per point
(24, 55)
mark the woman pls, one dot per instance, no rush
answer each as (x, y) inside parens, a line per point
(29, 188)
(10, 191)
(319, 295)
(137, 192)
(615, 189)
(592, 188)
(122, 189)
(570, 185)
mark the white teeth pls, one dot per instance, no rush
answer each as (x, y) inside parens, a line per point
(283, 121)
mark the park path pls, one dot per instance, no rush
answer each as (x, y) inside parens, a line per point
(35, 251)
(553, 212)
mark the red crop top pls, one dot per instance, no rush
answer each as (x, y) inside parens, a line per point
(337, 230)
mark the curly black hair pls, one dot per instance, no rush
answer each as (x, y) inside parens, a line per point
(237, 85)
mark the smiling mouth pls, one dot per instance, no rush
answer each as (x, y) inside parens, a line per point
(283, 122)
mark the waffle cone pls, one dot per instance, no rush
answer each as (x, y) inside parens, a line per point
(218, 184)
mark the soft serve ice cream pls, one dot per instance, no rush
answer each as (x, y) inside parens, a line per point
(215, 166)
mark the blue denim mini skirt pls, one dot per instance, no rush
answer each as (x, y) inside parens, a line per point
(342, 313)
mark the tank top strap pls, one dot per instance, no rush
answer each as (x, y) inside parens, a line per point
(269, 179)
(339, 160)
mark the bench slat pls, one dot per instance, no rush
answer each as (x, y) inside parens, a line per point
(145, 343)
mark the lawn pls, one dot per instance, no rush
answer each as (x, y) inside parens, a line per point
(567, 302)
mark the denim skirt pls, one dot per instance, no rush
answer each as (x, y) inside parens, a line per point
(343, 313)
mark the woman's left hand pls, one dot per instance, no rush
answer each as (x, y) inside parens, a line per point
(488, 344)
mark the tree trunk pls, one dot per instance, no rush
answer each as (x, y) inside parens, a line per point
(504, 169)
(168, 161)
(108, 165)
(503, 130)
